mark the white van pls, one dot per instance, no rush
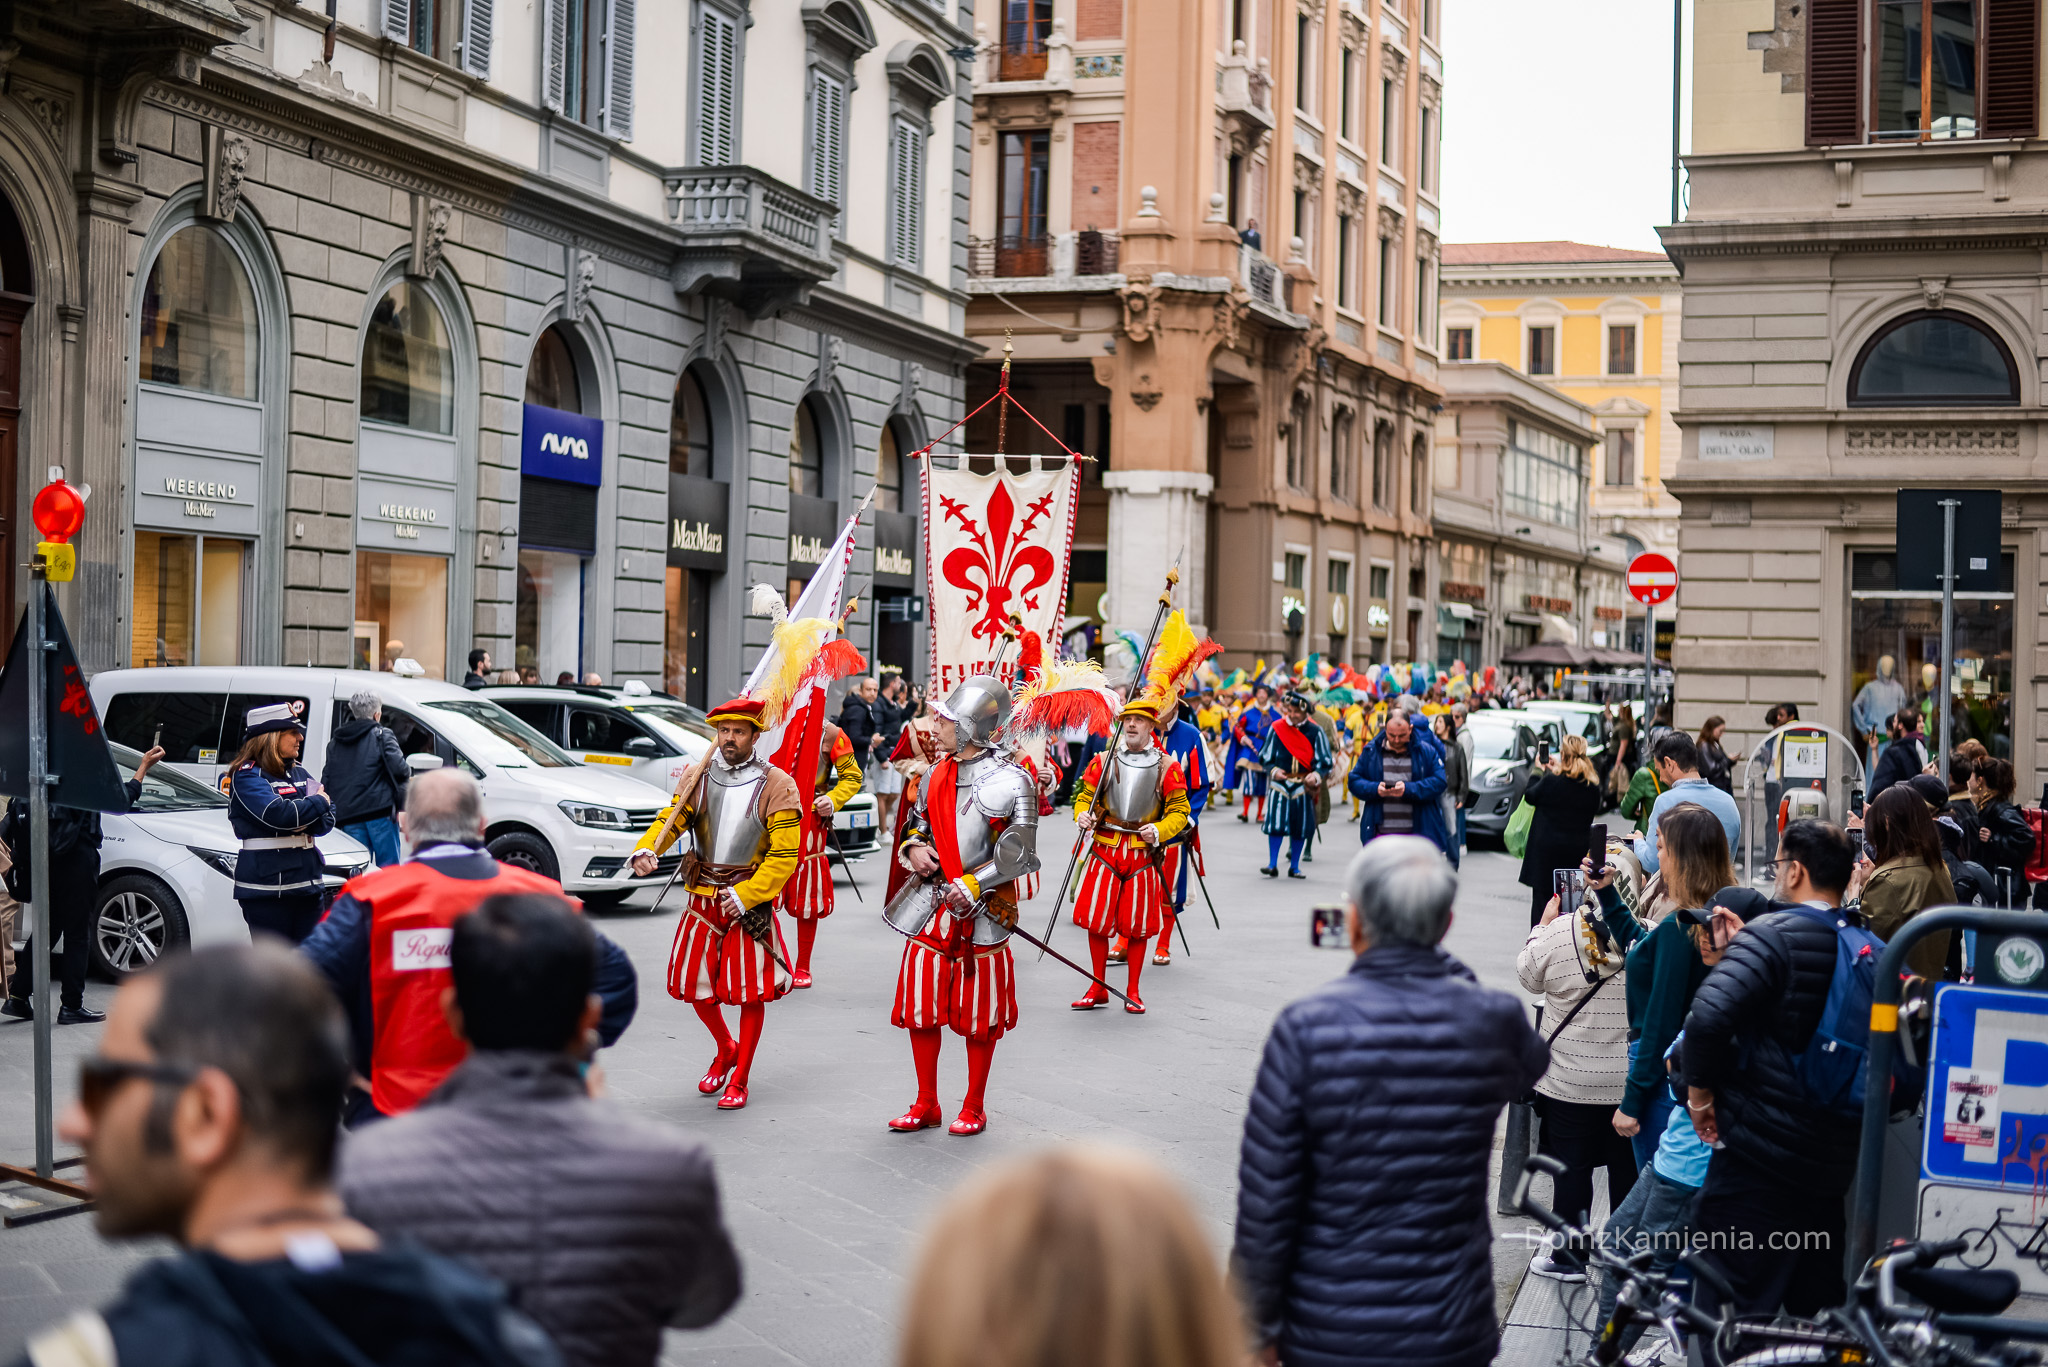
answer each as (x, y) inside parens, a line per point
(548, 813)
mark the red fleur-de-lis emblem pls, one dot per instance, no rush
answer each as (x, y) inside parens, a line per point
(1000, 566)
(77, 702)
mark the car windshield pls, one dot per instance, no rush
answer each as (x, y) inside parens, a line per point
(164, 789)
(678, 725)
(1494, 739)
(496, 737)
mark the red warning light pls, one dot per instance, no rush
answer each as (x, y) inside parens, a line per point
(58, 511)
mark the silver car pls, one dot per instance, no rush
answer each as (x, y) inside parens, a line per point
(1504, 747)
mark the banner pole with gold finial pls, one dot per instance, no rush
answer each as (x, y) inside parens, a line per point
(1003, 394)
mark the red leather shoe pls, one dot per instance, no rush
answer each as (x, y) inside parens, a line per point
(735, 1097)
(925, 1116)
(1134, 1007)
(800, 977)
(1118, 950)
(970, 1122)
(1091, 1001)
(720, 1066)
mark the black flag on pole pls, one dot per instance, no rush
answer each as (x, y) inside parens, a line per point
(80, 762)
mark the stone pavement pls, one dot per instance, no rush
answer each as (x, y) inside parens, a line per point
(825, 1203)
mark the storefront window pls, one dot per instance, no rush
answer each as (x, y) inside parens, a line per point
(198, 324)
(689, 430)
(549, 614)
(401, 611)
(1541, 476)
(551, 375)
(682, 655)
(806, 455)
(188, 600)
(889, 472)
(1895, 655)
(408, 369)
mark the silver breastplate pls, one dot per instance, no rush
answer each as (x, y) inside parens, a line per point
(1132, 795)
(973, 809)
(729, 825)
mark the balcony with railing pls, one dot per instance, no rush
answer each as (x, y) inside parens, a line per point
(1244, 96)
(748, 236)
(1059, 256)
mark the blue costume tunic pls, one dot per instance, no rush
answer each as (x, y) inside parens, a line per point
(1247, 739)
(1291, 805)
(263, 808)
(1183, 741)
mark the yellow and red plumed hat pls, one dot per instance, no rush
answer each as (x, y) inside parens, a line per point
(1175, 658)
(803, 651)
(1056, 696)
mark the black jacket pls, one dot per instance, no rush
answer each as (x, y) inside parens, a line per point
(399, 1307)
(1715, 767)
(74, 834)
(2012, 840)
(888, 725)
(365, 771)
(1362, 1214)
(1899, 762)
(1558, 835)
(1756, 1010)
(857, 720)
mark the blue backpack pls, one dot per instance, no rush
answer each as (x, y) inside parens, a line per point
(1831, 1067)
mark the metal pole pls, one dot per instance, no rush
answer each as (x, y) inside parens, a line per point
(1649, 666)
(39, 862)
(1677, 88)
(1948, 623)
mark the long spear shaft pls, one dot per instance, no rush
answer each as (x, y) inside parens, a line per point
(1109, 765)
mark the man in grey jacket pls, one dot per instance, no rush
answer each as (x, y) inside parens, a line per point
(605, 1227)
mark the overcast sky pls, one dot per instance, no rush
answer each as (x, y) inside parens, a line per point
(1557, 121)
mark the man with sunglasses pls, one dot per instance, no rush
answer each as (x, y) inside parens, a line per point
(208, 1117)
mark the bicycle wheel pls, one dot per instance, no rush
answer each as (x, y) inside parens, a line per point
(1983, 1248)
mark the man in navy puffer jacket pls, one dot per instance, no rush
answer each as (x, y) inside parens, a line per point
(1362, 1227)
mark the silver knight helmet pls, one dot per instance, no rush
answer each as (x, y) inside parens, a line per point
(978, 706)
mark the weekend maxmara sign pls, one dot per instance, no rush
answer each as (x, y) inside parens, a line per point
(558, 445)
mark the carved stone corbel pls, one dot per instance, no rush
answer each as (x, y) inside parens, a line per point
(1141, 304)
(581, 275)
(227, 163)
(430, 219)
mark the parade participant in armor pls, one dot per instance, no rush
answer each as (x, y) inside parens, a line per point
(975, 831)
(277, 808)
(807, 897)
(1297, 761)
(1133, 800)
(1247, 738)
(742, 815)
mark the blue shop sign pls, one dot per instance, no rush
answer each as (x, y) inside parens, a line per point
(558, 445)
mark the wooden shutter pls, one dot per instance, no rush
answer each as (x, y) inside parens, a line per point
(554, 57)
(717, 86)
(618, 68)
(398, 21)
(906, 202)
(828, 138)
(2012, 68)
(476, 37)
(1834, 69)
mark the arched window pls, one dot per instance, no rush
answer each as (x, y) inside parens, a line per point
(551, 379)
(408, 368)
(806, 454)
(1418, 475)
(1383, 465)
(1298, 444)
(689, 429)
(198, 327)
(1341, 429)
(889, 471)
(1934, 358)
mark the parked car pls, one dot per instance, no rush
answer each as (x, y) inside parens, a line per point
(653, 736)
(1578, 719)
(548, 813)
(1503, 755)
(167, 871)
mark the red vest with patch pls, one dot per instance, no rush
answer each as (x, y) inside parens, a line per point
(413, 910)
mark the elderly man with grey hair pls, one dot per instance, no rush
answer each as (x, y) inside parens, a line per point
(1362, 1227)
(383, 948)
(365, 777)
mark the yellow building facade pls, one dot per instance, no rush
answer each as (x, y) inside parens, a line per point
(1601, 326)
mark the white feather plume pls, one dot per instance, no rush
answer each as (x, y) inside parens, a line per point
(764, 601)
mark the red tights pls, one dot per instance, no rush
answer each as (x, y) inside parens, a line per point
(752, 1016)
(924, 1052)
(806, 936)
(1134, 963)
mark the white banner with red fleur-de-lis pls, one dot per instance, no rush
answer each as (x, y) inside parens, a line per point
(995, 545)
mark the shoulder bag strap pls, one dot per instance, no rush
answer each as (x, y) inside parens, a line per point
(1579, 1006)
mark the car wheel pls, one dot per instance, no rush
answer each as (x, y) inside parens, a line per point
(137, 921)
(604, 901)
(525, 850)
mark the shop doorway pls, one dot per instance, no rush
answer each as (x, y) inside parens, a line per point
(191, 595)
(561, 462)
(687, 600)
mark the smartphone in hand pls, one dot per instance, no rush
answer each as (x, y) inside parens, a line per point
(1596, 846)
(1327, 928)
(1542, 752)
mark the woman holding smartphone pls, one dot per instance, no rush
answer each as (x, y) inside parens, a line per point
(1566, 798)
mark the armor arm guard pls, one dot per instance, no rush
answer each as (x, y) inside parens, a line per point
(1016, 851)
(778, 861)
(850, 779)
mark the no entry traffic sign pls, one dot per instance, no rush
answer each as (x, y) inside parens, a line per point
(1652, 579)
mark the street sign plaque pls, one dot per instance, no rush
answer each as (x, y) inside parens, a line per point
(1652, 579)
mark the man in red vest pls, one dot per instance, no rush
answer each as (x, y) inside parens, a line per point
(383, 947)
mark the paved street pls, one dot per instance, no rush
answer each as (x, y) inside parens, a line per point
(825, 1203)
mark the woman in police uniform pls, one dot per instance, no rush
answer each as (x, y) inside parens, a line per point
(277, 808)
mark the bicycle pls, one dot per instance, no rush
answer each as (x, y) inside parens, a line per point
(1983, 1243)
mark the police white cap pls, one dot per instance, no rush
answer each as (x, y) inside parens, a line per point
(277, 716)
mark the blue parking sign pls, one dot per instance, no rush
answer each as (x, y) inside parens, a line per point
(1987, 1089)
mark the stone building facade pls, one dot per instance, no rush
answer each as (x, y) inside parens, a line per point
(473, 324)
(1863, 301)
(1211, 231)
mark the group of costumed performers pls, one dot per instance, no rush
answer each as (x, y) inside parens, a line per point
(1298, 763)
(970, 839)
(744, 817)
(1133, 808)
(1241, 770)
